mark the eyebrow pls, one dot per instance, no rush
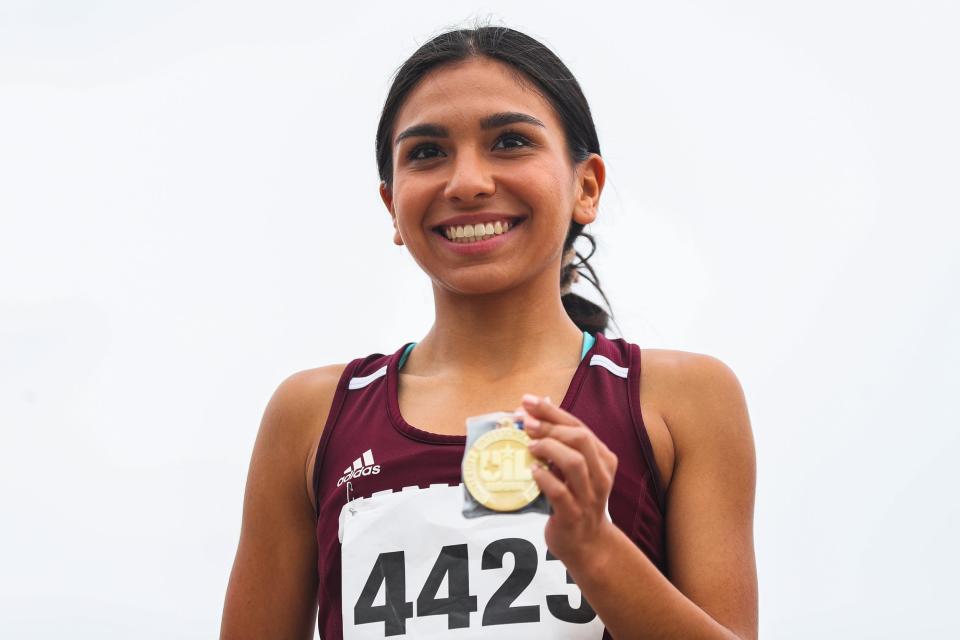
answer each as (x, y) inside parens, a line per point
(490, 122)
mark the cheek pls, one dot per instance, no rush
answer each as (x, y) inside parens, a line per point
(411, 199)
(547, 195)
(544, 183)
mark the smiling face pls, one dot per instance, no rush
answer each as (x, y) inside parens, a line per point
(472, 146)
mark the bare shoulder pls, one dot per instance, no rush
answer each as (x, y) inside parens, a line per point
(303, 395)
(699, 397)
(298, 410)
(681, 393)
(305, 398)
(675, 363)
(301, 400)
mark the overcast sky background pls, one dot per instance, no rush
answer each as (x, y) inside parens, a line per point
(189, 214)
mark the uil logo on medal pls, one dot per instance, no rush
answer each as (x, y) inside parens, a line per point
(496, 467)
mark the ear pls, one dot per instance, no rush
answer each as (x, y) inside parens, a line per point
(386, 194)
(591, 174)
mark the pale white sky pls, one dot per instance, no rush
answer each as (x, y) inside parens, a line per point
(189, 213)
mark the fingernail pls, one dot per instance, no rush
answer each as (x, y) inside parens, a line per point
(533, 443)
(531, 424)
(530, 400)
(547, 400)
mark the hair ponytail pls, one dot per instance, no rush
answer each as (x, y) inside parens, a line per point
(587, 315)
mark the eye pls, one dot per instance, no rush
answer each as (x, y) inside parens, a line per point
(415, 153)
(515, 137)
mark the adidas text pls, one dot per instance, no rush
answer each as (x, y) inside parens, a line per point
(362, 466)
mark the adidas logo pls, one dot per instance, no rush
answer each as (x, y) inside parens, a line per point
(362, 466)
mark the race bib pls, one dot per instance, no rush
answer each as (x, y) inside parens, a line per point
(413, 565)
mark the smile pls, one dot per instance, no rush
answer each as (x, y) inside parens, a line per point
(480, 231)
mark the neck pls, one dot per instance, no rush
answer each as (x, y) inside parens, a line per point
(495, 336)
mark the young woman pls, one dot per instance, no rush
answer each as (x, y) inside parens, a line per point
(490, 168)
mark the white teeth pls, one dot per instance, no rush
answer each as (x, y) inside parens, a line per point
(476, 232)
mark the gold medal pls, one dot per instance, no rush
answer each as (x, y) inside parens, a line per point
(496, 469)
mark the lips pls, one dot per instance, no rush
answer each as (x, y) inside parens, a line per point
(476, 245)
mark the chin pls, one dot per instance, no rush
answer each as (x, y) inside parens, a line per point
(476, 285)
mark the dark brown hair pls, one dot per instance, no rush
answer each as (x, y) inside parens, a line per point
(534, 63)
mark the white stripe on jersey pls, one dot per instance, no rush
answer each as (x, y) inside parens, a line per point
(359, 383)
(609, 365)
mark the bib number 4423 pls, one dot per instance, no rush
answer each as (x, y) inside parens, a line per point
(389, 572)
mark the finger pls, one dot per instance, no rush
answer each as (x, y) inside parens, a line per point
(609, 457)
(570, 462)
(531, 424)
(544, 409)
(581, 439)
(610, 460)
(564, 504)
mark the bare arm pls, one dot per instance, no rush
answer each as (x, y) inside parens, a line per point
(710, 503)
(273, 584)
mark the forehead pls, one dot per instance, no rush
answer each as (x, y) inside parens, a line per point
(461, 93)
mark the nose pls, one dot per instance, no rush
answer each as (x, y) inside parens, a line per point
(471, 177)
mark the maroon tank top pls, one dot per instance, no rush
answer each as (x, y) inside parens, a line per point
(368, 447)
